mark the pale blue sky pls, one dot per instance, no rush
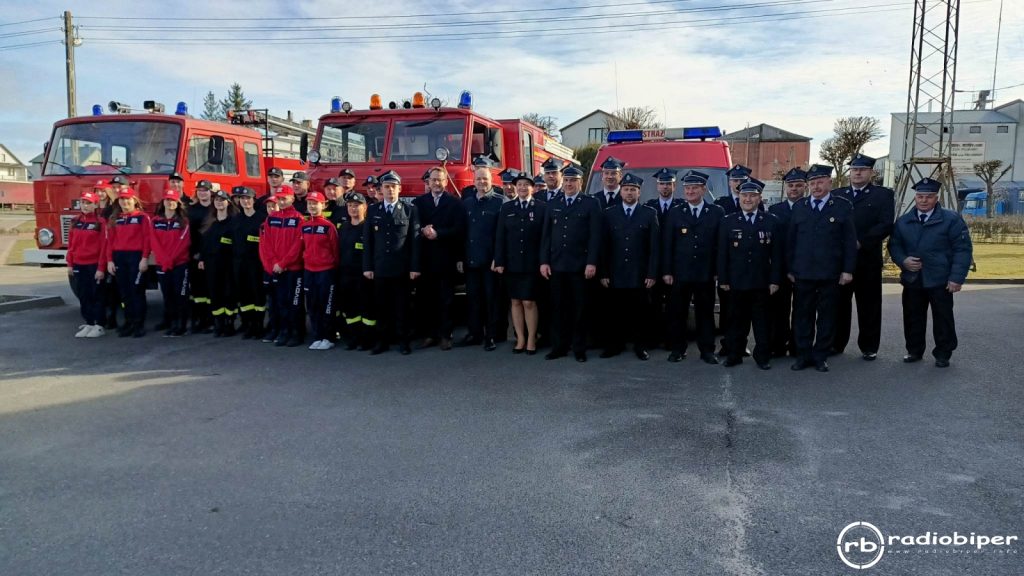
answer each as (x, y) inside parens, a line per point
(694, 63)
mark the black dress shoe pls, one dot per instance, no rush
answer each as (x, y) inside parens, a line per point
(821, 366)
(909, 358)
(469, 340)
(709, 358)
(764, 365)
(676, 356)
(942, 363)
(489, 345)
(642, 354)
(555, 355)
(581, 356)
(800, 364)
(730, 362)
(609, 353)
(405, 349)
(870, 356)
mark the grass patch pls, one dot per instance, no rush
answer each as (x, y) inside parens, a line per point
(993, 262)
(16, 255)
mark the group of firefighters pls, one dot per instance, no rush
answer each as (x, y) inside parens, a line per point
(571, 269)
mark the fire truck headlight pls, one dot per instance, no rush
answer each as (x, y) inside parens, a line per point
(435, 103)
(314, 156)
(45, 237)
(346, 107)
(441, 154)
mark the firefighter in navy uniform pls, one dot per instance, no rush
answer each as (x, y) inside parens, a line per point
(300, 184)
(631, 253)
(821, 253)
(202, 205)
(730, 202)
(250, 290)
(517, 259)
(750, 269)
(481, 161)
(611, 178)
(346, 182)
(569, 254)
(781, 303)
(539, 184)
(508, 190)
(275, 179)
(356, 290)
(334, 207)
(552, 179)
(932, 246)
(391, 258)
(371, 190)
(482, 205)
(874, 211)
(689, 241)
(666, 200)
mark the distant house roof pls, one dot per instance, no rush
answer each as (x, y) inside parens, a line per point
(765, 133)
(12, 159)
(965, 117)
(598, 111)
(38, 159)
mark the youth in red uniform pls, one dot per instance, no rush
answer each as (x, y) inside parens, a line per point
(170, 238)
(320, 258)
(281, 255)
(85, 265)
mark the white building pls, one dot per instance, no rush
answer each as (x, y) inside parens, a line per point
(590, 129)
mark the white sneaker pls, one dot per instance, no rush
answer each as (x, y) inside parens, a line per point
(327, 345)
(96, 331)
(83, 331)
(316, 345)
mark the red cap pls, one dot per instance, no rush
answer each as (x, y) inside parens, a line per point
(100, 185)
(285, 190)
(315, 197)
(170, 194)
(127, 192)
(91, 196)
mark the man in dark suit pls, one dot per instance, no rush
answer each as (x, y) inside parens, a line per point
(442, 242)
(630, 255)
(552, 179)
(932, 246)
(750, 269)
(781, 303)
(611, 175)
(391, 258)
(569, 255)
(737, 175)
(481, 161)
(874, 210)
(482, 205)
(821, 253)
(689, 241)
(666, 200)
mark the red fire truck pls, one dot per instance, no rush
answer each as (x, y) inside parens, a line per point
(145, 146)
(414, 136)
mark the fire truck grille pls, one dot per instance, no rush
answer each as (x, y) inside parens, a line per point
(65, 228)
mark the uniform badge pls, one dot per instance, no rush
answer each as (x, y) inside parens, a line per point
(684, 231)
(531, 216)
(832, 219)
(735, 244)
(376, 228)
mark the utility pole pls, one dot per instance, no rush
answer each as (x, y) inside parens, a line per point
(995, 63)
(70, 42)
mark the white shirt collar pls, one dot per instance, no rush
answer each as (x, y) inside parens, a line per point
(625, 206)
(928, 213)
(699, 207)
(790, 202)
(824, 199)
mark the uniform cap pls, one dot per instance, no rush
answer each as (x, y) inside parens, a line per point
(393, 177)
(481, 161)
(927, 186)
(819, 171)
(243, 191)
(332, 182)
(538, 179)
(346, 172)
(90, 196)
(630, 179)
(300, 177)
(572, 171)
(204, 184)
(275, 172)
(862, 161)
(175, 176)
(552, 165)
(665, 175)
(695, 177)
(738, 172)
(315, 197)
(508, 175)
(795, 175)
(522, 176)
(371, 181)
(119, 179)
(752, 185)
(355, 197)
(612, 163)
(221, 195)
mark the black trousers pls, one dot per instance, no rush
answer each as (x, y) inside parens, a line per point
(220, 281)
(319, 291)
(200, 294)
(391, 302)
(781, 306)
(629, 314)
(867, 288)
(703, 296)
(131, 284)
(814, 317)
(250, 290)
(569, 295)
(916, 301)
(111, 299)
(482, 300)
(356, 306)
(287, 309)
(90, 293)
(174, 288)
(749, 307)
(434, 294)
(659, 314)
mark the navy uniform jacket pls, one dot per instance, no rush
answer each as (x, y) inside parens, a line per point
(783, 212)
(874, 210)
(470, 192)
(481, 227)
(749, 255)
(655, 203)
(602, 199)
(449, 221)
(350, 247)
(688, 245)
(336, 212)
(821, 245)
(943, 244)
(550, 196)
(572, 234)
(517, 246)
(632, 248)
(730, 204)
(390, 242)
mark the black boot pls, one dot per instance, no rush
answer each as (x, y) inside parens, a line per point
(229, 326)
(218, 327)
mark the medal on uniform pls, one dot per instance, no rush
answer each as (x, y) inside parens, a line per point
(531, 216)
(683, 230)
(832, 219)
(735, 244)
(376, 228)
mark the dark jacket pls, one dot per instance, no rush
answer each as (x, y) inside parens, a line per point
(749, 255)
(874, 210)
(481, 228)
(821, 245)
(783, 212)
(449, 221)
(602, 199)
(390, 241)
(655, 203)
(572, 234)
(517, 243)
(246, 236)
(632, 248)
(350, 247)
(688, 245)
(943, 244)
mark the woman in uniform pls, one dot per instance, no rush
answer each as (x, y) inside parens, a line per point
(517, 258)
(356, 289)
(84, 257)
(171, 239)
(216, 259)
(127, 257)
(249, 288)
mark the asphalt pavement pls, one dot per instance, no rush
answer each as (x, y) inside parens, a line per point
(208, 456)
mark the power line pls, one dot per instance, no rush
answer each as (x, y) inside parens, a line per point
(30, 44)
(2, 24)
(29, 32)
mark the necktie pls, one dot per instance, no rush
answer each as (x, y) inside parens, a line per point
(391, 209)
(436, 198)
(568, 202)
(629, 211)
(522, 205)
(610, 196)
(856, 192)
(924, 218)
(817, 204)
(694, 211)
(736, 202)
(664, 207)
(750, 218)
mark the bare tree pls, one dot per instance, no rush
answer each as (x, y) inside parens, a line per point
(632, 118)
(850, 135)
(990, 174)
(545, 123)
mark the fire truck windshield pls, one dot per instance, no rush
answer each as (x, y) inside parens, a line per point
(355, 143)
(416, 141)
(717, 182)
(114, 147)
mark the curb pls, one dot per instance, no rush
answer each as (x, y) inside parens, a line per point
(19, 303)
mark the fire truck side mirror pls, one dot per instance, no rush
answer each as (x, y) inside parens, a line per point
(303, 147)
(215, 151)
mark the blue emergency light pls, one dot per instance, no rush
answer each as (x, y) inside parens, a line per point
(466, 100)
(181, 109)
(97, 110)
(335, 105)
(702, 132)
(619, 136)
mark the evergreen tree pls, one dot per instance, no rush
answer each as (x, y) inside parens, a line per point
(235, 100)
(211, 108)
